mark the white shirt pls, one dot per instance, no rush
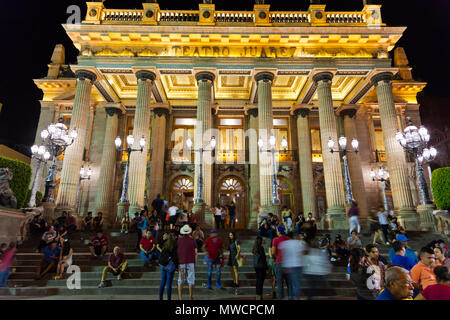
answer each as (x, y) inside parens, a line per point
(317, 263)
(382, 217)
(218, 211)
(173, 211)
(292, 253)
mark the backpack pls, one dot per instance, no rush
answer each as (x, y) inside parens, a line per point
(164, 258)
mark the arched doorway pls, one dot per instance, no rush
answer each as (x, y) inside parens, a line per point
(285, 193)
(321, 197)
(231, 189)
(182, 192)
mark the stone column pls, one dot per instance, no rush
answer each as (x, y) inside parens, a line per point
(264, 81)
(205, 81)
(104, 198)
(305, 162)
(158, 152)
(331, 163)
(395, 155)
(354, 165)
(254, 169)
(73, 156)
(89, 132)
(138, 160)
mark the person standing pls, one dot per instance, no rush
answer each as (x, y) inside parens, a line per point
(292, 251)
(287, 217)
(353, 218)
(214, 247)
(276, 253)
(187, 258)
(217, 211)
(262, 214)
(172, 211)
(384, 223)
(168, 261)
(235, 251)
(117, 264)
(157, 205)
(260, 265)
(6, 261)
(317, 267)
(232, 215)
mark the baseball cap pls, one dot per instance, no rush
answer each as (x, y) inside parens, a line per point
(401, 237)
(213, 231)
(281, 229)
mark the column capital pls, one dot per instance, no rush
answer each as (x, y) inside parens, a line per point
(264, 76)
(145, 75)
(384, 76)
(85, 74)
(323, 76)
(351, 113)
(253, 112)
(303, 112)
(159, 111)
(111, 111)
(205, 76)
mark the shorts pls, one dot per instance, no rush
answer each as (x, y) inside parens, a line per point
(172, 219)
(188, 268)
(69, 261)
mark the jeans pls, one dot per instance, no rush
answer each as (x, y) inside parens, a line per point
(217, 220)
(294, 277)
(314, 282)
(288, 222)
(147, 258)
(155, 234)
(280, 278)
(354, 224)
(4, 277)
(167, 273)
(232, 221)
(260, 277)
(216, 263)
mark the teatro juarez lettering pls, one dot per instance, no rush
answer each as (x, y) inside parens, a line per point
(216, 51)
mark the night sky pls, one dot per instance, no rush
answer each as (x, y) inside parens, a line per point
(29, 30)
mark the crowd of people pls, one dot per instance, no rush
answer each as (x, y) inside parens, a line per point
(295, 259)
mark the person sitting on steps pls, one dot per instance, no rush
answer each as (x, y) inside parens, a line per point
(98, 245)
(117, 264)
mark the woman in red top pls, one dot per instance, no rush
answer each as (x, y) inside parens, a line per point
(439, 291)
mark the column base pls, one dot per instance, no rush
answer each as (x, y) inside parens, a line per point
(203, 215)
(59, 210)
(133, 209)
(49, 211)
(427, 220)
(336, 219)
(274, 209)
(409, 219)
(122, 209)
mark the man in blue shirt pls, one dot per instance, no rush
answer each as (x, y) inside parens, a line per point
(399, 285)
(141, 228)
(50, 257)
(400, 259)
(409, 252)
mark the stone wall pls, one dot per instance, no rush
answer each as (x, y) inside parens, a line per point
(14, 224)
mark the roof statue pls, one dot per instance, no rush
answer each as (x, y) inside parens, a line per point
(7, 198)
(259, 1)
(207, 1)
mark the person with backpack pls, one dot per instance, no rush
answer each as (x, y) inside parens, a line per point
(260, 265)
(168, 261)
(214, 247)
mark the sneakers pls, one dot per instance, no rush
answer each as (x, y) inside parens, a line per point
(387, 243)
(102, 285)
(218, 286)
(119, 277)
(333, 259)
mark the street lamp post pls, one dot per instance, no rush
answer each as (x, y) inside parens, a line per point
(343, 144)
(56, 138)
(41, 154)
(129, 150)
(272, 142)
(382, 176)
(415, 140)
(84, 175)
(200, 172)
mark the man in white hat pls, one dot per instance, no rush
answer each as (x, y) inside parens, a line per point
(187, 257)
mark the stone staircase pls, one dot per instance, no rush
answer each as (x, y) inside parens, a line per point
(143, 283)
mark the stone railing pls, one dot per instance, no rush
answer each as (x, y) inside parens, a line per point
(287, 17)
(122, 15)
(178, 16)
(227, 16)
(345, 17)
(442, 221)
(14, 224)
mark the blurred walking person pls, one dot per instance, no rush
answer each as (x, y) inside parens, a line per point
(353, 220)
(292, 251)
(317, 268)
(260, 265)
(276, 254)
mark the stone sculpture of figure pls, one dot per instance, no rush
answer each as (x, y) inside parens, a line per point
(259, 1)
(315, 1)
(7, 198)
(207, 1)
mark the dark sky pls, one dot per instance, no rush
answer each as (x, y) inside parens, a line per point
(29, 31)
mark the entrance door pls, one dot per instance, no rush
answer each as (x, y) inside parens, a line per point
(231, 190)
(285, 193)
(182, 192)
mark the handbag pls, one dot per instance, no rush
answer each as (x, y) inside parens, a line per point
(241, 260)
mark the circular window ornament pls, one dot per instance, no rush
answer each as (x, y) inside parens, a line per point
(319, 15)
(262, 15)
(206, 14)
(93, 12)
(149, 14)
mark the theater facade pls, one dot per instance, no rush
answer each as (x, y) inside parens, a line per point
(171, 76)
